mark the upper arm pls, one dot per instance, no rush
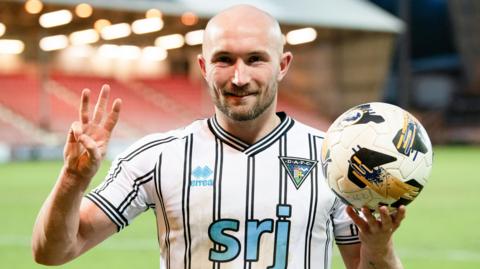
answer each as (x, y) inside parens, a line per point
(351, 255)
(95, 226)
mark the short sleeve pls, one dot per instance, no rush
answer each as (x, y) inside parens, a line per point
(124, 193)
(345, 231)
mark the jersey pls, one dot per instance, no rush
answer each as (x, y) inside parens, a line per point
(222, 203)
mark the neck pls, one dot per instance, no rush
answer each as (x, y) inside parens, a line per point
(250, 131)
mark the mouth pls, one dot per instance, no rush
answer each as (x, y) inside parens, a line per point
(239, 94)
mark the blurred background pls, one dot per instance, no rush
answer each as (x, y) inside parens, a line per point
(422, 55)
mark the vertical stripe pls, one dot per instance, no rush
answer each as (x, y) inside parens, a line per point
(285, 176)
(252, 200)
(187, 171)
(312, 205)
(282, 175)
(249, 203)
(280, 170)
(329, 223)
(158, 188)
(217, 190)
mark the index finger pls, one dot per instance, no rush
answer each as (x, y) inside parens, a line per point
(84, 102)
(358, 220)
(101, 105)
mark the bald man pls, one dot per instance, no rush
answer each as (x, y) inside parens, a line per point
(241, 189)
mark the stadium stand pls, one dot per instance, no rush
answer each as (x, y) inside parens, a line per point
(137, 112)
(184, 95)
(12, 135)
(150, 105)
(20, 93)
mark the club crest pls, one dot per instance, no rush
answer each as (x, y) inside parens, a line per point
(297, 168)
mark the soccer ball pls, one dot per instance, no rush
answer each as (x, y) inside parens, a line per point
(376, 154)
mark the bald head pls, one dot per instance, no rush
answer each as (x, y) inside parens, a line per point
(242, 20)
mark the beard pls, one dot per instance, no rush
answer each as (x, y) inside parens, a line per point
(262, 103)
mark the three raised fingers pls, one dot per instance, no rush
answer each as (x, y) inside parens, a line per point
(100, 109)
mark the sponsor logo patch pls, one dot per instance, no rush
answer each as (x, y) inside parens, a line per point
(201, 177)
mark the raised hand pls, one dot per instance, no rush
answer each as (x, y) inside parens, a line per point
(87, 139)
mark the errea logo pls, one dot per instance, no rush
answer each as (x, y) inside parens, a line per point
(202, 177)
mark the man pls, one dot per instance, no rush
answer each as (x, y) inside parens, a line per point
(242, 189)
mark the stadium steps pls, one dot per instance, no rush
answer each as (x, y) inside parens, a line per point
(162, 100)
(21, 94)
(142, 116)
(189, 95)
(22, 131)
(302, 112)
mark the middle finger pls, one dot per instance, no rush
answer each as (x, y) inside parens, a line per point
(101, 105)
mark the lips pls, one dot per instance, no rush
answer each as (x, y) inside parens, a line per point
(239, 94)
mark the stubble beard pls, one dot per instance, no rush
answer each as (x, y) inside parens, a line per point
(252, 113)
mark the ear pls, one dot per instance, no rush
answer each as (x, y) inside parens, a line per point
(284, 64)
(201, 63)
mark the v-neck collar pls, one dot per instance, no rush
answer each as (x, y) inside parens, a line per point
(236, 143)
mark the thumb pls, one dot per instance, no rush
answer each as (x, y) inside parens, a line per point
(74, 132)
(72, 147)
(91, 147)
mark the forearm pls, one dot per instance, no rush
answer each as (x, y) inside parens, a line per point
(385, 258)
(55, 237)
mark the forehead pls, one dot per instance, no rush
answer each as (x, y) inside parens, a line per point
(240, 39)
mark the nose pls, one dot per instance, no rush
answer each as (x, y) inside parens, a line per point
(241, 74)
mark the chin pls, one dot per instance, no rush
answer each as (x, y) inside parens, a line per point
(244, 115)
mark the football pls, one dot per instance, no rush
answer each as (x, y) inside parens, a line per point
(376, 154)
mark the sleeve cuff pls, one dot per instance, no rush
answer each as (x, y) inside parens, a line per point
(112, 213)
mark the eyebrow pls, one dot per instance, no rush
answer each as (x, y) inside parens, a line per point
(257, 52)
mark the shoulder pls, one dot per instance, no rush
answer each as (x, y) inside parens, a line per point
(154, 143)
(304, 128)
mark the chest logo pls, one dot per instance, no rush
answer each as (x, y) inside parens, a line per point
(202, 177)
(297, 168)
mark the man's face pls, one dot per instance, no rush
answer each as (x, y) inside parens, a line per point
(242, 68)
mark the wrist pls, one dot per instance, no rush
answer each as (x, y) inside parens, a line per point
(380, 256)
(72, 180)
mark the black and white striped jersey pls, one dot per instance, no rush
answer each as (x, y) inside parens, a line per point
(222, 203)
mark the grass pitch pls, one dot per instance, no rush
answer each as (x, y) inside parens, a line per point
(440, 230)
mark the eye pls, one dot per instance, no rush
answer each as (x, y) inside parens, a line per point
(254, 59)
(223, 59)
